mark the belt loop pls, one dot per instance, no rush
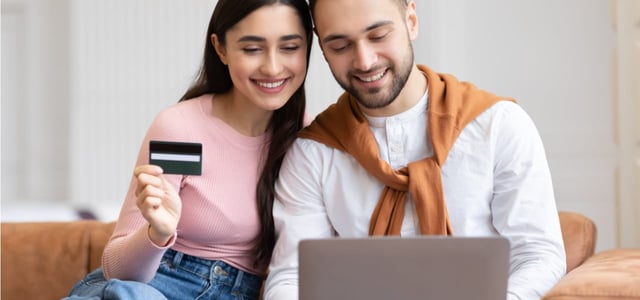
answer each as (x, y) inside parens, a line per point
(238, 283)
(177, 258)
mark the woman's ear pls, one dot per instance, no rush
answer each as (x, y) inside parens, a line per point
(219, 48)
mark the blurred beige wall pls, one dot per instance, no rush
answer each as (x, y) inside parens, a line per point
(81, 81)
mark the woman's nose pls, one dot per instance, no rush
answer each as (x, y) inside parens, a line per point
(272, 64)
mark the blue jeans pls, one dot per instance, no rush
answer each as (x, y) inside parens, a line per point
(179, 276)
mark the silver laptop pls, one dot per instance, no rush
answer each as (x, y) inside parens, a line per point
(422, 267)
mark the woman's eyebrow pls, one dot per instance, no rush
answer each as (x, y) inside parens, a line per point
(255, 38)
(251, 38)
(290, 37)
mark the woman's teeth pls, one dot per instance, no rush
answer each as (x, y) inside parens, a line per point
(270, 85)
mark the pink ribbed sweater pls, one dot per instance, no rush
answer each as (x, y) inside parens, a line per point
(219, 216)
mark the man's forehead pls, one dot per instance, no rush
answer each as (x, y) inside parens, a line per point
(312, 3)
(341, 16)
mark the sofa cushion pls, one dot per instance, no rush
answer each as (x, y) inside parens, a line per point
(611, 274)
(43, 260)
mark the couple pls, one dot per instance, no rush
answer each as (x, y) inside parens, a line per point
(404, 151)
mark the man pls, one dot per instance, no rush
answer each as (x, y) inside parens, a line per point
(408, 151)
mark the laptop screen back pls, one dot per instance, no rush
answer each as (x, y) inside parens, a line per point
(422, 267)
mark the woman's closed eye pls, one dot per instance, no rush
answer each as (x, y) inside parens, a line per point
(290, 48)
(251, 50)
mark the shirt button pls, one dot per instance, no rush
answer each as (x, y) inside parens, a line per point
(396, 148)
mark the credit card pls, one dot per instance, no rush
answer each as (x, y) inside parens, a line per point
(176, 157)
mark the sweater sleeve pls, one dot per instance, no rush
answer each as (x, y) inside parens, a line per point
(130, 254)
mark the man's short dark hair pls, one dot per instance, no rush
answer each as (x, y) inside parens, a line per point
(312, 4)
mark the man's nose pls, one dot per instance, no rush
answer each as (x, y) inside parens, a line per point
(365, 57)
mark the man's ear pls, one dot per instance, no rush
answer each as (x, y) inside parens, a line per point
(411, 19)
(219, 48)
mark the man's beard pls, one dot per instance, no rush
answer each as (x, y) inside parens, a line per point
(374, 98)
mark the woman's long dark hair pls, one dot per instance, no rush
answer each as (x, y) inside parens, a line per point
(285, 122)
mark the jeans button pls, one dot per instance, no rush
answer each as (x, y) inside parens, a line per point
(219, 271)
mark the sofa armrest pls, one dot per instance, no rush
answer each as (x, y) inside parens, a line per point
(99, 236)
(579, 234)
(611, 274)
(52, 256)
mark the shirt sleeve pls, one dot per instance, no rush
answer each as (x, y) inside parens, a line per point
(130, 254)
(523, 206)
(299, 213)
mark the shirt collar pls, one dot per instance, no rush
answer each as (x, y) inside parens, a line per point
(417, 110)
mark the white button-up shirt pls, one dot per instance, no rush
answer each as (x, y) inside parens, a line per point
(496, 182)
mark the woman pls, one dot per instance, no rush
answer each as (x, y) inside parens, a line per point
(211, 236)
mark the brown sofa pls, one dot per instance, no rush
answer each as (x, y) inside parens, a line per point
(609, 274)
(44, 260)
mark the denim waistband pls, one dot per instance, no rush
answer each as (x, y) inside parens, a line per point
(215, 270)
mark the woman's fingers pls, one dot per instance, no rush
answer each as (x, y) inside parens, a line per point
(152, 201)
(147, 175)
(158, 202)
(148, 169)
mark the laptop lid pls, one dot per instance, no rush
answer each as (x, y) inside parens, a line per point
(421, 267)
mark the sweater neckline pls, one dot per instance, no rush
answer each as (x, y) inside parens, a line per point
(221, 127)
